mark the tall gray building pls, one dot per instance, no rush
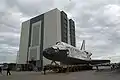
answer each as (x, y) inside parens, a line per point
(42, 32)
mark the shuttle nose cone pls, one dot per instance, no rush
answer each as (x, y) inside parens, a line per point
(48, 51)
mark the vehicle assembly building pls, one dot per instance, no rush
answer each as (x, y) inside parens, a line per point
(44, 31)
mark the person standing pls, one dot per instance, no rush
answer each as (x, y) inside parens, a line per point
(44, 69)
(97, 68)
(8, 71)
(1, 70)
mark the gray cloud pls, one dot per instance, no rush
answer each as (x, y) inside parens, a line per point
(97, 21)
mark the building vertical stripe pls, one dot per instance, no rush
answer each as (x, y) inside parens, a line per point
(42, 39)
(34, 20)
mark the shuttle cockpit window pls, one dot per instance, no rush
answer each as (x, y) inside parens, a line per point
(57, 42)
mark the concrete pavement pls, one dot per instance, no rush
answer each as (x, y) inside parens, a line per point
(83, 75)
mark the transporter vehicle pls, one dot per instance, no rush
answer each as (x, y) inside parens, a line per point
(70, 55)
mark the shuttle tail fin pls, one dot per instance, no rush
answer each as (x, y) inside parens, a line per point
(83, 45)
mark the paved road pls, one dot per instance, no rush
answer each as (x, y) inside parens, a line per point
(83, 75)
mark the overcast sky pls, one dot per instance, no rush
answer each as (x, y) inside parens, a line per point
(97, 21)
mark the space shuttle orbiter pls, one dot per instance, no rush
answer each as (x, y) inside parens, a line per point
(67, 54)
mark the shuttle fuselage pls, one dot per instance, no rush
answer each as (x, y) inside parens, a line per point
(68, 54)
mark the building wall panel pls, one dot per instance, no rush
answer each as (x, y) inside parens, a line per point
(23, 47)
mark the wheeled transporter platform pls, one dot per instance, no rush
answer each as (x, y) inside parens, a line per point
(67, 68)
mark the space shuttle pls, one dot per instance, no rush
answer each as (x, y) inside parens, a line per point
(70, 55)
